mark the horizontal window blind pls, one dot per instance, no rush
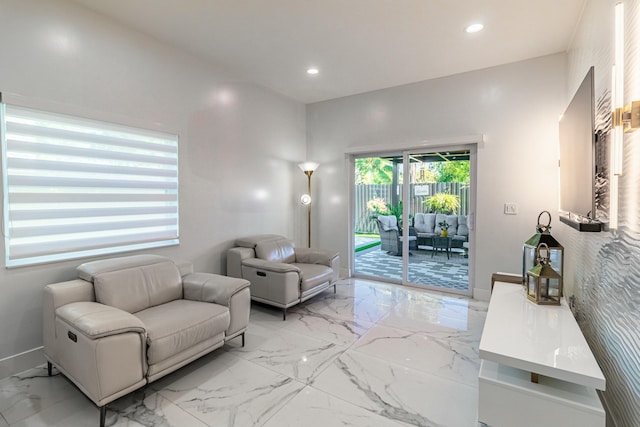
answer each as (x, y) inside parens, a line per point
(75, 187)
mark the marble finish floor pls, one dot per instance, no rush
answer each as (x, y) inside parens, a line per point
(373, 354)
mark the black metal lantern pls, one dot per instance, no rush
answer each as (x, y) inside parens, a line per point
(529, 251)
(543, 283)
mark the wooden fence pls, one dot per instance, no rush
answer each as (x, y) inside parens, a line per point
(418, 194)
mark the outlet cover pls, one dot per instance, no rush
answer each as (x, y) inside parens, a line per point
(511, 208)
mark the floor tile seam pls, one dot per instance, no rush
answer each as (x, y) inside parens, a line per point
(409, 368)
(354, 319)
(284, 404)
(304, 382)
(350, 403)
(426, 372)
(347, 317)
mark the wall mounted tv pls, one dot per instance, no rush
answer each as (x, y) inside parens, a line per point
(577, 160)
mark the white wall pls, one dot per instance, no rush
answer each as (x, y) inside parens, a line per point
(516, 107)
(239, 143)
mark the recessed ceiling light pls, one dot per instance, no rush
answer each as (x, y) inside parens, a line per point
(312, 71)
(474, 28)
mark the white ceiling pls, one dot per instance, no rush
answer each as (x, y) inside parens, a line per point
(358, 45)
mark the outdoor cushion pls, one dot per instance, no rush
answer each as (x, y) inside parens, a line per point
(425, 223)
(388, 222)
(463, 228)
(452, 220)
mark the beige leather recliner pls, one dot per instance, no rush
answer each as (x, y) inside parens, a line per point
(129, 321)
(281, 274)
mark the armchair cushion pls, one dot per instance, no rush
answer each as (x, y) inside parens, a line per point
(312, 275)
(179, 325)
(137, 288)
(276, 250)
(276, 267)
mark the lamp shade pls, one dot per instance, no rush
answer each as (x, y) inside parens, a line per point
(308, 166)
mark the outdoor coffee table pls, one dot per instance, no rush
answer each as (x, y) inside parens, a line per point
(442, 244)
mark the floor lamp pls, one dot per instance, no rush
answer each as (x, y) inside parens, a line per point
(308, 168)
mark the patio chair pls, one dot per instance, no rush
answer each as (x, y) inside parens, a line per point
(391, 236)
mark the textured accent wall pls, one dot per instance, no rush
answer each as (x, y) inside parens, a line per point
(603, 279)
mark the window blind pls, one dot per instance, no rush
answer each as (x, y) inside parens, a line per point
(76, 187)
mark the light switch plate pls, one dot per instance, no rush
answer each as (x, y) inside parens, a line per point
(511, 208)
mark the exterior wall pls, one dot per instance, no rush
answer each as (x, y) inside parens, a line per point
(515, 106)
(239, 143)
(603, 277)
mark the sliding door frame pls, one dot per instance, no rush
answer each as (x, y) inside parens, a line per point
(470, 142)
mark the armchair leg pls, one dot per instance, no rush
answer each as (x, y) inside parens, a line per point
(103, 415)
(284, 314)
(243, 339)
(49, 368)
(334, 288)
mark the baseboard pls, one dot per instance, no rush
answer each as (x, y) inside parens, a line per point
(21, 362)
(482, 294)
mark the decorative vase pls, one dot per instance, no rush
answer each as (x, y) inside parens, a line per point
(444, 233)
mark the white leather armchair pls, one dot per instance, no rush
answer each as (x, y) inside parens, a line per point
(281, 274)
(129, 321)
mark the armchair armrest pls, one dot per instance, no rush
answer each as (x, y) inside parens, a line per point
(228, 291)
(95, 320)
(101, 349)
(212, 288)
(55, 296)
(276, 267)
(315, 256)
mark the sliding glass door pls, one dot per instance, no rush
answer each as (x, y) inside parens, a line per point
(438, 195)
(378, 217)
(415, 231)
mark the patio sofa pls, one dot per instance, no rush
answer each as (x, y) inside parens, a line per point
(128, 321)
(282, 275)
(426, 227)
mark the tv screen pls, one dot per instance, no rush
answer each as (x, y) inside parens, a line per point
(577, 145)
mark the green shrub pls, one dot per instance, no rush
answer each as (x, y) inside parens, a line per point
(442, 203)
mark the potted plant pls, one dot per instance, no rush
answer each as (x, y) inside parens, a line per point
(444, 228)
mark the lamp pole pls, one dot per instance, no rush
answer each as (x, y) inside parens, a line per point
(308, 168)
(308, 173)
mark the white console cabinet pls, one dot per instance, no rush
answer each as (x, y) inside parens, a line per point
(521, 338)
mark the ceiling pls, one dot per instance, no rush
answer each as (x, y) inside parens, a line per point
(358, 45)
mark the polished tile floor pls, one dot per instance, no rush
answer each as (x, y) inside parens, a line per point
(373, 354)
